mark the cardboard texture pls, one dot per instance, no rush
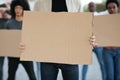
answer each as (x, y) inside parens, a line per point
(9, 43)
(57, 37)
(107, 30)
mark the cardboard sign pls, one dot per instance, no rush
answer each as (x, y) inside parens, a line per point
(57, 37)
(9, 43)
(107, 29)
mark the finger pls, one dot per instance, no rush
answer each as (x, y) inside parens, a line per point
(22, 45)
(93, 37)
(92, 40)
(22, 49)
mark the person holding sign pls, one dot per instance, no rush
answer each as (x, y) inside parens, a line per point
(17, 7)
(111, 54)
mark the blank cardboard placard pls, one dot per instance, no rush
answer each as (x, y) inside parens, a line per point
(9, 43)
(107, 29)
(57, 37)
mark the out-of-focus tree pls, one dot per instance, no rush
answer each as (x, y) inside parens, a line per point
(119, 4)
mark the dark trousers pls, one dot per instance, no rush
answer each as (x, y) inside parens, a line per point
(1, 67)
(13, 65)
(111, 59)
(49, 71)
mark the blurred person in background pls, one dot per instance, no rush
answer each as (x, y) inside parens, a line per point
(111, 54)
(97, 51)
(4, 16)
(17, 8)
